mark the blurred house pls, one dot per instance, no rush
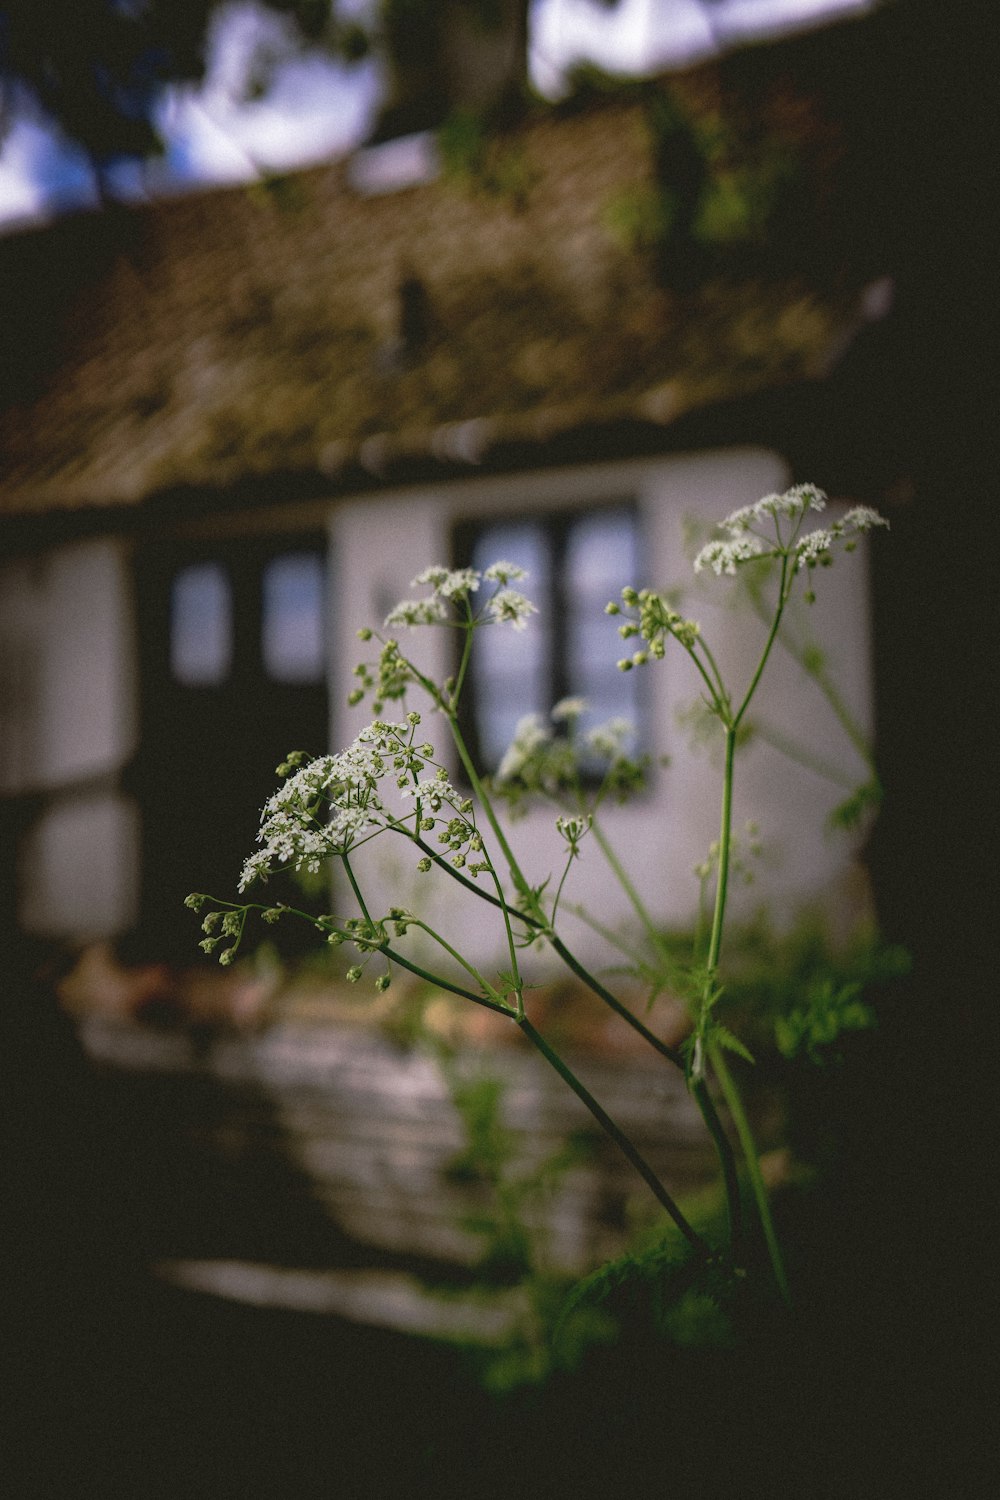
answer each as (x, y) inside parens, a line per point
(235, 426)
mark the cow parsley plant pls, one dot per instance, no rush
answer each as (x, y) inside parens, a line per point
(392, 782)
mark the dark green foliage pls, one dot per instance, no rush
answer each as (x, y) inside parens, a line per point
(801, 993)
(851, 812)
(507, 1220)
(482, 160)
(682, 1299)
(719, 190)
(824, 1012)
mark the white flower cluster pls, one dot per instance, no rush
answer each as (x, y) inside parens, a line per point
(531, 733)
(540, 760)
(293, 831)
(723, 557)
(568, 710)
(610, 741)
(817, 546)
(504, 572)
(433, 792)
(331, 802)
(863, 518)
(509, 607)
(411, 612)
(449, 583)
(454, 586)
(744, 542)
(792, 504)
(814, 548)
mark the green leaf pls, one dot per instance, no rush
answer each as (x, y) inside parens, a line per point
(730, 1043)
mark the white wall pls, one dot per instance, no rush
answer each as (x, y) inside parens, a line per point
(377, 546)
(68, 713)
(67, 726)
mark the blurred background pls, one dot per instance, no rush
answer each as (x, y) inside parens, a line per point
(282, 288)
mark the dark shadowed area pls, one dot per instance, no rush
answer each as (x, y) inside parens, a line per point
(244, 1234)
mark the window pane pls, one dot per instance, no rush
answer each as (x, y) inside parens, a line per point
(601, 557)
(201, 625)
(292, 628)
(601, 552)
(512, 666)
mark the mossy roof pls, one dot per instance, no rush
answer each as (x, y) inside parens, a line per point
(311, 337)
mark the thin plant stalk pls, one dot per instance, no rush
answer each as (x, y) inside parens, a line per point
(734, 1103)
(617, 1135)
(558, 946)
(700, 1091)
(730, 1092)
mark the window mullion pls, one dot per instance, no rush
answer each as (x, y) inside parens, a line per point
(559, 685)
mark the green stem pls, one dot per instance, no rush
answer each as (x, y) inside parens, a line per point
(436, 936)
(559, 888)
(445, 984)
(726, 1082)
(727, 1160)
(801, 755)
(617, 1135)
(612, 938)
(443, 943)
(479, 791)
(621, 875)
(784, 588)
(702, 1097)
(594, 984)
(569, 959)
(501, 900)
(717, 695)
(841, 712)
(356, 889)
(725, 836)
(721, 696)
(843, 715)
(734, 1103)
(470, 885)
(464, 663)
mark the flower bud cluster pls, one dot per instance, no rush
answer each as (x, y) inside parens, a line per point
(388, 679)
(650, 617)
(573, 830)
(367, 937)
(218, 926)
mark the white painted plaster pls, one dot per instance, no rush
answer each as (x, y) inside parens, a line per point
(81, 868)
(67, 721)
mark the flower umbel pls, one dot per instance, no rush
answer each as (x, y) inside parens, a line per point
(565, 766)
(770, 528)
(336, 801)
(508, 606)
(723, 557)
(452, 588)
